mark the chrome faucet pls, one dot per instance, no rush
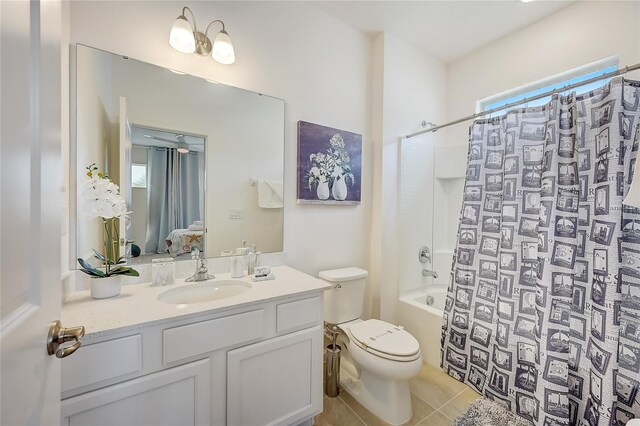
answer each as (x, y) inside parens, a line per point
(429, 273)
(424, 255)
(201, 274)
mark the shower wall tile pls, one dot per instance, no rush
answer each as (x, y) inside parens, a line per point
(415, 210)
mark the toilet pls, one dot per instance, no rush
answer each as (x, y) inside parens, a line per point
(378, 358)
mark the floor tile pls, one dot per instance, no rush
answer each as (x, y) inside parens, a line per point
(436, 419)
(460, 404)
(435, 387)
(367, 417)
(420, 410)
(336, 413)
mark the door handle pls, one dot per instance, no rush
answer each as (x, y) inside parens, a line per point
(58, 335)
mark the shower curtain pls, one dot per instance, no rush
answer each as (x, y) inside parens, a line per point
(543, 307)
(174, 194)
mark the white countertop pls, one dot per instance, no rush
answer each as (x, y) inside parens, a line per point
(137, 304)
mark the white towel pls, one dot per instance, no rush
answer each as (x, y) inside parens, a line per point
(196, 228)
(270, 194)
(198, 223)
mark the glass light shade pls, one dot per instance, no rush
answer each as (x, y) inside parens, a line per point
(183, 148)
(181, 37)
(223, 49)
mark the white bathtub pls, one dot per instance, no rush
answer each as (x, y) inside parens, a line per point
(424, 321)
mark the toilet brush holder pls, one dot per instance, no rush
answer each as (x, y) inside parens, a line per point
(332, 370)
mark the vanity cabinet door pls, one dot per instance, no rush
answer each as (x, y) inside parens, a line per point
(176, 396)
(276, 381)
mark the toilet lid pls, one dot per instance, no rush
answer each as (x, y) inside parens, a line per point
(383, 338)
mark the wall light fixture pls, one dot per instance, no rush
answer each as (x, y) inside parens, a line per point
(186, 38)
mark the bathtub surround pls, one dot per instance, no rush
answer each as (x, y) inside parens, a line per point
(540, 306)
(424, 320)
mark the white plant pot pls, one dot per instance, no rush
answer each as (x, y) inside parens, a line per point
(102, 288)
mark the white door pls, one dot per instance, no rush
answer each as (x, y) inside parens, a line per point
(30, 206)
(276, 381)
(125, 147)
(173, 397)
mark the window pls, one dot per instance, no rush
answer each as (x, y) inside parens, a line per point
(139, 175)
(556, 82)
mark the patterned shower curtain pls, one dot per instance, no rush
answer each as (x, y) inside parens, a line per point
(543, 307)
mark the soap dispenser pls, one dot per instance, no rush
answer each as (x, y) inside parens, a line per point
(254, 260)
(244, 252)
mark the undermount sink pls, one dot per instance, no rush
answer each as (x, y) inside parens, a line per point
(204, 292)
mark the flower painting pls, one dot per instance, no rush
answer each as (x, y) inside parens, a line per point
(329, 165)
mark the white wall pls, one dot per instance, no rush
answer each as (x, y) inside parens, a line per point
(319, 66)
(414, 89)
(95, 129)
(577, 35)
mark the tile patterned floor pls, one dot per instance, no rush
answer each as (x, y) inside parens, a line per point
(437, 399)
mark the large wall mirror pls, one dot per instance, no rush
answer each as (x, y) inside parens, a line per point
(200, 164)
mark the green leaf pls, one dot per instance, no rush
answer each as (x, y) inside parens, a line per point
(91, 273)
(98, 255)
(123, 270)
(90, 270)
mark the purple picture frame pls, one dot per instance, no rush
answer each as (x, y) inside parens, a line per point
(329, 165)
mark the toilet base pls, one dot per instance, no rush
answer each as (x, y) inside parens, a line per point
(388, 399)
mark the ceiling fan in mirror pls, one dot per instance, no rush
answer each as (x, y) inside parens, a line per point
(181, 145)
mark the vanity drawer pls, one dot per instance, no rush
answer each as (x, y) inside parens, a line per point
(207, 336)
(299, 314)
(102, 361)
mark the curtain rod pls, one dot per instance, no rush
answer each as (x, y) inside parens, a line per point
(525, 100)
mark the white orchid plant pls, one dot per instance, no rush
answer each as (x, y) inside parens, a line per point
(334, 164)
(103, 200)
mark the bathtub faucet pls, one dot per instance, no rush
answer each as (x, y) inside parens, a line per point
(429, 273)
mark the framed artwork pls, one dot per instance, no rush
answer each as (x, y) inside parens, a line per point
(329, 165)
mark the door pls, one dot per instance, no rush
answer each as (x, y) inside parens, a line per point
(30, 207)
(124, 148)
(276, 381)
(177, 396)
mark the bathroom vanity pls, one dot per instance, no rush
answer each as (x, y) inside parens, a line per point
(254, 358)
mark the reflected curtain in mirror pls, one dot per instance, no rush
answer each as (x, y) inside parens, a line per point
(174, 199)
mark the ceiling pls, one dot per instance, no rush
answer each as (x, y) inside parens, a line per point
(445, 30)
(142, 136)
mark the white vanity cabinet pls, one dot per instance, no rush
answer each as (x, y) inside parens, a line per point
(176, 396)
(257, 365)
(275, 381)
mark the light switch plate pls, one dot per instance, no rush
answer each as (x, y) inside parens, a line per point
(235, 214)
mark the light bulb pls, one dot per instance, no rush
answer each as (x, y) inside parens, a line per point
(223, 49)
(181, 37)
(183, 148)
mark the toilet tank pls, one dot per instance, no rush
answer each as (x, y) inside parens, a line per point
(343, 302)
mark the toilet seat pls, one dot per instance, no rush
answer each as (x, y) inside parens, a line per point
(384, 340)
